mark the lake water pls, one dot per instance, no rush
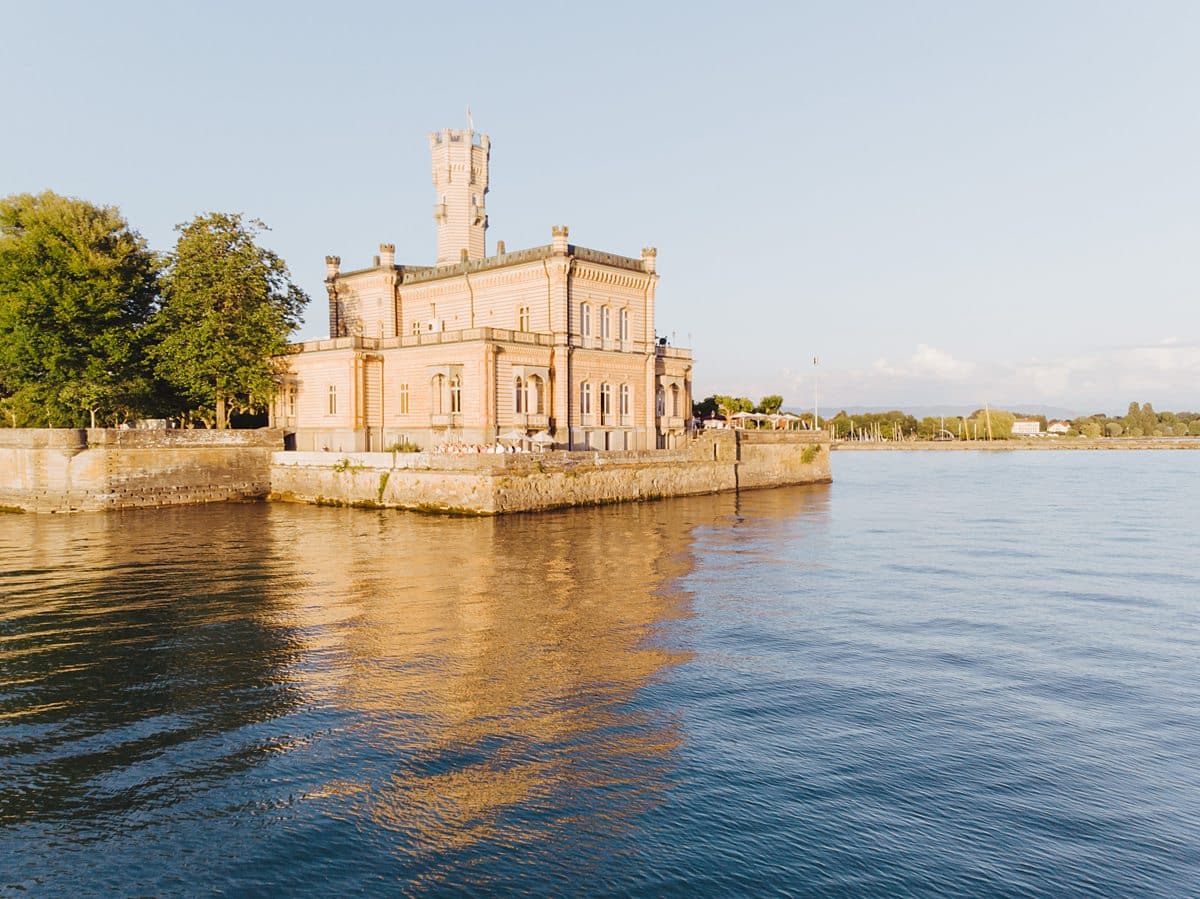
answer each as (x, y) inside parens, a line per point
(967, 673)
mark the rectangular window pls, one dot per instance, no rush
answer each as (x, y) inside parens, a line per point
(403, 399)
(624, 400)
(605, 403)
(604, 323)
(332, 400)
(585, 398)
(523, 318)
(455, 395)
(624, 324)
(416, 327)
(292, 402)
(585, 319)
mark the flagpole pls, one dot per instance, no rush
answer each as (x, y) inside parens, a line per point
(816, 395)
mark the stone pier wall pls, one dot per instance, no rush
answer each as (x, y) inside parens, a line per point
(95, 469)
(490, 485)
(65, 470)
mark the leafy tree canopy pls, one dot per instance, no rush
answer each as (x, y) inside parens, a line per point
(770, 405)
(731, 405)
(228, 307)
(76, 287)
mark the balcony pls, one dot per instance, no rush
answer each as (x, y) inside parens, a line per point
(439, 420)
(672, 352)
(532, 421)
(671, 423)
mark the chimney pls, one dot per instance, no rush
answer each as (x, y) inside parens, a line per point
(649, 258)
(387, 255)
(332, 265)
(559, 235)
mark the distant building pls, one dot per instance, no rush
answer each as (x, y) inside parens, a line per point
(557, 339)
(1026, 427)
(1058, 427)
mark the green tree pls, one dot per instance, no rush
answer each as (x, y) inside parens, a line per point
(770, 405)
(77, 285)
(1149, 421)
(1001, 421)
(1090, 429)
(705, 408)
(1132, 419)
(731, 405)
(1114, 429)
(228, 307)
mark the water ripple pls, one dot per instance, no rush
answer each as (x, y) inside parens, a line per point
(926, 679)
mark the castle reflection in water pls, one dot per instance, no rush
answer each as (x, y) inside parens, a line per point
(458, 687)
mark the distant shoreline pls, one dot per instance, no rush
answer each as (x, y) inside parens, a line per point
(1041, 443)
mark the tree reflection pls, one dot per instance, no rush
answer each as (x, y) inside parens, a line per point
(133, 645)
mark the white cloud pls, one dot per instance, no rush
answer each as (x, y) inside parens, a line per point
(1169, 372)
(1085, 379)
(926, 362)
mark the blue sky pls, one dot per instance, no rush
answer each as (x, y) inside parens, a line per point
(947, 202)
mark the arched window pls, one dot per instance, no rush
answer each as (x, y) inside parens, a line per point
(585, 319)
(605, 403)
(519, 400)
(437, 388)
(660, 401)
(585, 398)
(623, 325)
(624, 402)
(605, 327)
(674, 399)
(455, 395)
(403, 399)
(534, 397)
(332, 400)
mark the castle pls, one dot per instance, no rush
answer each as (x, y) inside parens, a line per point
(555, 342)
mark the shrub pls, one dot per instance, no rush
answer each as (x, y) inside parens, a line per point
(402, 446)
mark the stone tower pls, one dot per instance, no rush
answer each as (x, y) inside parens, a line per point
(460, 179)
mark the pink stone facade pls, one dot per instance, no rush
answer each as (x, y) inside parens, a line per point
(556, 339)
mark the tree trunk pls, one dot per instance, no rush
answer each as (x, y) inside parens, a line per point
(222, 420)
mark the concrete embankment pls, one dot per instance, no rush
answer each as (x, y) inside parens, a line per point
(69, 470)
(49, 470)
(1036, 443)
(497, 484)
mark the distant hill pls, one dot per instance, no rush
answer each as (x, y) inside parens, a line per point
(949, 411)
